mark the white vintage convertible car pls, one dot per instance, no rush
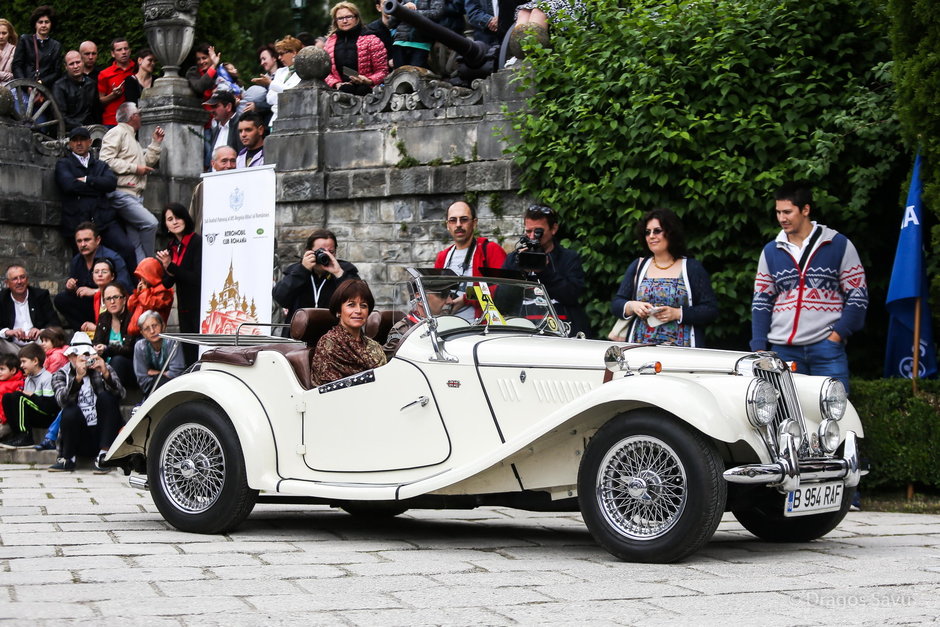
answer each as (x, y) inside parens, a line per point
(651, 443)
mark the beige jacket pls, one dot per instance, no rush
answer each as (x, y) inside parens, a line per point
(121, 150)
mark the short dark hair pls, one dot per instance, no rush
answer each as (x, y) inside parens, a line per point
(88, 225)
(473, 210)
(669, 221)
(143, 53)
(800, 193)
(348, 290)
(202, 48)
(55, 335)
(10, 361)
(271, 51)
(33, 351)
(104, 260)
(118, 40)
(43, 10)
(320, 234)
(541, 212)
(252, 117)
(181, 213)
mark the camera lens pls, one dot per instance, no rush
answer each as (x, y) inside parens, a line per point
(321, 256)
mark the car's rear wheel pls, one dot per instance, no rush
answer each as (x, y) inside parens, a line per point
(197, 472)
(763, 516)
(650, 488)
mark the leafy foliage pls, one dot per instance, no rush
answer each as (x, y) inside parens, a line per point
(915, 35)
(902, 433)
(706, 107)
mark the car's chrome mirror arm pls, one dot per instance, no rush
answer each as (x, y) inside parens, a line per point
(439, 353)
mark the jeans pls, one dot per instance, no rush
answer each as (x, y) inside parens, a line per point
(407, 55)
(824, 358)
(139, 224)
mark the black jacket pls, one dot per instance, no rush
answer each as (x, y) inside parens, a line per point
(103, 336)
(563, 277)
(187, 278)
(50, 59)
(76, 100)
(84, 200)
(295, 290)
(41, 311)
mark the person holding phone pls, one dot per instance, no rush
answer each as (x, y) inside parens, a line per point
(358, 60)
(668, 295)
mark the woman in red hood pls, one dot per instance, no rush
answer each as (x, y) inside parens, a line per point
(150, 293)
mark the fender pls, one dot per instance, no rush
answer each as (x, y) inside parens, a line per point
(238, 402)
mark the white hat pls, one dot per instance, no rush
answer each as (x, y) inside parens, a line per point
(80, 345)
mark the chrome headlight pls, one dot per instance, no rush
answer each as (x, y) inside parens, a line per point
(832, 400)
(761, 403)
(829, 433)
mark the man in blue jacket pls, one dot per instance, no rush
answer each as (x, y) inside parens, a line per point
(84, 183)
(810, 293)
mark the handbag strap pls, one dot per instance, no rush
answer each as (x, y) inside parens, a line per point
(36, 50)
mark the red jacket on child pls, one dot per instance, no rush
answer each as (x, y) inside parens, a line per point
(155, 296)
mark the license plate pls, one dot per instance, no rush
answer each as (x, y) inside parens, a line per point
(814, 498)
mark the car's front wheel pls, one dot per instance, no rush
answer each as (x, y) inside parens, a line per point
(650, 488)
(197, 472)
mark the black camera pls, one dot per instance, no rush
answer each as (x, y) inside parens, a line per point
(530, 256)
(322, 257)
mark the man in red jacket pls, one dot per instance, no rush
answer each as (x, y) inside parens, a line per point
(468, 253)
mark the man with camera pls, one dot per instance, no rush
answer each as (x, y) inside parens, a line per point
(312, 281)
(540, 258)
(468, 253)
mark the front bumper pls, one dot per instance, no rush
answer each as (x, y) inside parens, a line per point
(788, 471)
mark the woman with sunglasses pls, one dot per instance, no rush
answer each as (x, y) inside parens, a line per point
(668, 295)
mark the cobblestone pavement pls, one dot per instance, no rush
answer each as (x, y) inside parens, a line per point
(82, 548)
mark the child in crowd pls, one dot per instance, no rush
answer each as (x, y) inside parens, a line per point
(150, 293)
(11, 380)
(154, 354)
(35, 406)
(53, 341)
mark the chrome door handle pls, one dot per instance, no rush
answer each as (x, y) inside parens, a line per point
(423, 400)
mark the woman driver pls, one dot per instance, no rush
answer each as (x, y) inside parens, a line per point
(345, 349)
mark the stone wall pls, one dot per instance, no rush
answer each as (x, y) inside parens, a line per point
(378, 171)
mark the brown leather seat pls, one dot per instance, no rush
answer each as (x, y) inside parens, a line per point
(310, 324)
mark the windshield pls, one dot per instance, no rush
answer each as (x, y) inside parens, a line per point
(483, 302)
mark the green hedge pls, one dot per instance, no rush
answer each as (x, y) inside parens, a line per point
(902, 431)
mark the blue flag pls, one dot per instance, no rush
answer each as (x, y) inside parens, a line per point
(908, 282)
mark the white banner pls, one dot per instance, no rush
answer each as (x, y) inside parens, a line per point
(238, 249)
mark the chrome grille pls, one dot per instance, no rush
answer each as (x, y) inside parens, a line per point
(788, 406)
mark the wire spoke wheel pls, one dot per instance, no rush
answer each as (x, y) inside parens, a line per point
(193, 468)
(650, 487)
(196, 468)
(641, 487)
(35, 108)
